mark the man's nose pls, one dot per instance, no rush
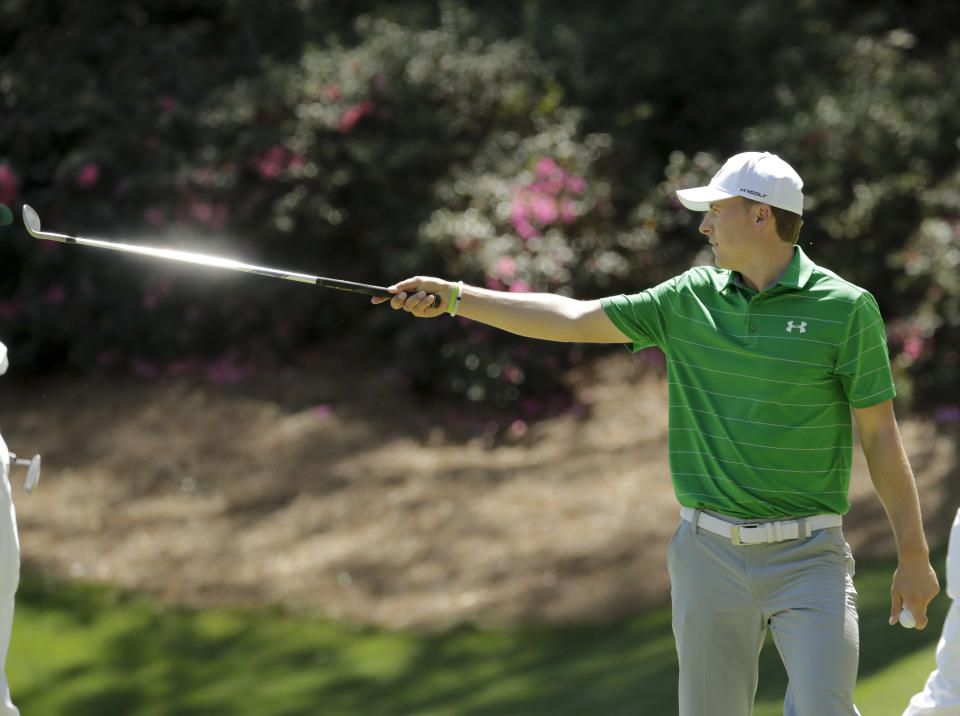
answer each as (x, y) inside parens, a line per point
(705, 226)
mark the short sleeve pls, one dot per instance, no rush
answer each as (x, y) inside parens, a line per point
(640, 316)
(863, 363)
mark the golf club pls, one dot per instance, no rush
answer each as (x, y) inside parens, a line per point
(32, 221)
(33, 471)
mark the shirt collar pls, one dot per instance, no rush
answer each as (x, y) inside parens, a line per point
(799, 271)
(796, 275)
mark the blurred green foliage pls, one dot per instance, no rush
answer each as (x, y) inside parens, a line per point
(522, 145)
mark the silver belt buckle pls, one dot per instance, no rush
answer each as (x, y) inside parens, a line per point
(735, 531)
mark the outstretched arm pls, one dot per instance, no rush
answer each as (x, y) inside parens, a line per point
(546, 316)
(914, 582)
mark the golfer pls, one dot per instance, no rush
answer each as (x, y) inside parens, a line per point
(767, 354)
(9, 563)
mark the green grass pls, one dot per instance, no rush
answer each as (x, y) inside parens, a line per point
(89, 651)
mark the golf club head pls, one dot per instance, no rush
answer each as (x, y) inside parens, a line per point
(33, 474)
(31, 219)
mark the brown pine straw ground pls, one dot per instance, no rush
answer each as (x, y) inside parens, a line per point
(366, 509)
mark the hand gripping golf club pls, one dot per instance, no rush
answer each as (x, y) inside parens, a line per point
(33, 471)
(32, 221)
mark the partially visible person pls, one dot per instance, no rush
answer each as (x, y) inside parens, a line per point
(9, 563)
(941, 694)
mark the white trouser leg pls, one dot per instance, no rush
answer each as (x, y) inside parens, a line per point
(9, 575)
(941, 694)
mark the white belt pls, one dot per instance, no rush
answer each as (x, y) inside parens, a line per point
(760, 532)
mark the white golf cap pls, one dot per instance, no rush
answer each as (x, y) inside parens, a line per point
(761, 176)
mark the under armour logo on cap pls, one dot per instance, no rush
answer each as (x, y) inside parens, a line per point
(802, 326)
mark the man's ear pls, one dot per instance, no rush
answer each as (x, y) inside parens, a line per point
(762, 216)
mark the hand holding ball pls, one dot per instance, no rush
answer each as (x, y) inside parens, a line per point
(907, 620)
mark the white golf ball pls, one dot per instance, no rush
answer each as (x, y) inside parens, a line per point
(907, 620)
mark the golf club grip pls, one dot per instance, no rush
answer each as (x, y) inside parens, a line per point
(366, 288)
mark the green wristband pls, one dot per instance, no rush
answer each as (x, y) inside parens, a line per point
(452, 306)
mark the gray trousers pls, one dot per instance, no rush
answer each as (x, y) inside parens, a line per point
(725, 598)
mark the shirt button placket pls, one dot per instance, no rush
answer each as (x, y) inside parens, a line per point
(752, 323)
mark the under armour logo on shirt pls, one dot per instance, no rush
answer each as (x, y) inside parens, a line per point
(791, 325)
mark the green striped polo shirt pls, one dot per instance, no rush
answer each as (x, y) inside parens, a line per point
(761, 384)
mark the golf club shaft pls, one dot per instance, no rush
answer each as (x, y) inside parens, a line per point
(32, 222)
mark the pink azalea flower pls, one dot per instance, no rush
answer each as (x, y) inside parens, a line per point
(213, 215)
(270, 164)
(544, 209)
(913, 347)
(553, 186)
(88, 176)
(546, 167)
(519, 208)
(568, 212)
(296, 161)
(519, 287)
(354, 114)
(322, 412)
(576, 184)
(201, 211)
(524, 228)
(505, 266)
(9, 186)
(513, 374)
